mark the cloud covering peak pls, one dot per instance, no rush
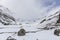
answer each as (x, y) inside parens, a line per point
(30, 9)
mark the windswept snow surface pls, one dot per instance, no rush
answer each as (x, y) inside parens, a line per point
(41, 35)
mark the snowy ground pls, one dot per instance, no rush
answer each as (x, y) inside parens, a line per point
(41, 35)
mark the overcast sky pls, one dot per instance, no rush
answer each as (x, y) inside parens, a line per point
(30, 9)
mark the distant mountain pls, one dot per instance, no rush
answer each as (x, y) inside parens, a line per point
(5, 17)
(52, 19)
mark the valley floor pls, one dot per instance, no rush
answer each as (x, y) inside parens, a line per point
(41, 35)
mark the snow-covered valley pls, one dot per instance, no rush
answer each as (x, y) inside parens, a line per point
(38, 30)
(41, 35)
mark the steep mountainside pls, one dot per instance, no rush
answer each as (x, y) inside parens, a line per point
(5, 18)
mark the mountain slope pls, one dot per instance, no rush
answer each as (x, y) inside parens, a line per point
(5, 18)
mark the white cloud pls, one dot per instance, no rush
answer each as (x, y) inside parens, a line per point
(27, 9)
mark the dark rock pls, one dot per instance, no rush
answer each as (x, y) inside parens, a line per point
(21, 32)
(10, 38)
(56, 32)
